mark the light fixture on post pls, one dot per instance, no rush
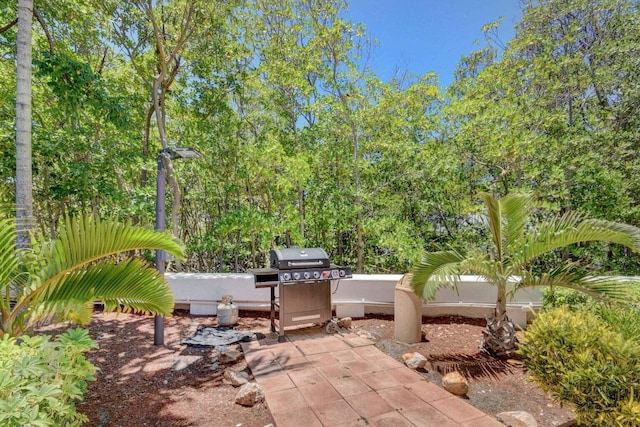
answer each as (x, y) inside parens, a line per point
(169, 153)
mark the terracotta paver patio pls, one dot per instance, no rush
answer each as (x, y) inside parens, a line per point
(316, 379)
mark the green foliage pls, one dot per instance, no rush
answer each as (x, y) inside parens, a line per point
(559, 297)
(517, 240)
(61, 279)
(304, 146)
(586, 362)
(41, 379)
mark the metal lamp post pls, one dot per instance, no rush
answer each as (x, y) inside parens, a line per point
(171, 153)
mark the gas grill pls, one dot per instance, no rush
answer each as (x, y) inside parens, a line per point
(303, 277)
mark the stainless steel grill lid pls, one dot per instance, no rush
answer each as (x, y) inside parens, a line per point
(292, 258)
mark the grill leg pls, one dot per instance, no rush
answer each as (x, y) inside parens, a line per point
(281, 337)
(273, 309)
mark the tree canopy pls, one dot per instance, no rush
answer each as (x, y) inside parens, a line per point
(305, 145)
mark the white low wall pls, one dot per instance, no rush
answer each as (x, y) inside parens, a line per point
(355, 297)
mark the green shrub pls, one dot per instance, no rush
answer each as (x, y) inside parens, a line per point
(622, 319)
(584, 362)
(559, 297)
(40, 379)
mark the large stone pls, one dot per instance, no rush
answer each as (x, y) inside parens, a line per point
(250, 394)
(228, 355)
(345, 322)
(517, 419)
(414, 360)
(234, 378)
(364, 334)
(456, 383)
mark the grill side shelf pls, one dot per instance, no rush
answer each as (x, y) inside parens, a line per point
(265, 277)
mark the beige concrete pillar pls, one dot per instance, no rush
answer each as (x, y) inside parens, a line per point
(407, 312)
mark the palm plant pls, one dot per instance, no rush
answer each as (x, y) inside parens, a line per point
(515, 244)
(61, 279)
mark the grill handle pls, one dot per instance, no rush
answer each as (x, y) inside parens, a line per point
(299, 264)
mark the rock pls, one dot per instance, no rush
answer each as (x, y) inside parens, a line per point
(414, 360)
(517, 419)
(227, 355)
(455, 383)
(345, 322)
(250, 394)
(234, 378)
(364, 334)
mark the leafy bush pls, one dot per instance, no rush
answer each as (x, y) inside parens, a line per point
(587, 363)
(553, 297)
(40, 379)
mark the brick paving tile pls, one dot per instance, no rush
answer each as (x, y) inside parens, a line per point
(428, 391)
(303, 417)
(348, 386)
(358, 367)
(406, 375)
(485, 421)
(326, 345)
(336, 345)
(322, 359)
(294, 363)
(305, 377)
(346, 356)
(320, 392)
(311, 347)
(335, 371)
(280, 381)
(457, 409)
(368, 404)
(359, 423)
(285, 400)
(399, 397)
(368, 352)
(391, 419)
(358, 342)
(379, 380)
(264, 368)
(382, 362)
(257, 358)
(286, 350)
(334, 413)
(427, 416)
(250, 346)
(348, 335)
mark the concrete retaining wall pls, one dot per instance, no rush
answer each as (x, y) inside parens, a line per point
(355, 297)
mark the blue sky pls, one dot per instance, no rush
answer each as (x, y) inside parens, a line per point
(420, 36)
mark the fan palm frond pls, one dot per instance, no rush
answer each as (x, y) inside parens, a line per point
(516, 210)
(63, 278)
(86, 239)
(436, 270)
(572, 228)
(126, 286)
(494, 222)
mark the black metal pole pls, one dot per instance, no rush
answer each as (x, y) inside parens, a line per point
(158, 321)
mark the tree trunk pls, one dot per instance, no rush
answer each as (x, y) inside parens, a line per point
(501, 303)
(24, 177)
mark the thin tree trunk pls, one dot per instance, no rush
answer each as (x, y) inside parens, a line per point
(24, 177)
(501, 303)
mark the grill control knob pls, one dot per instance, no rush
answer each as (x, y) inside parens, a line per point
(296, 276)
(316, 274)
(342, 273)
(286, 276)
(306, 275)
